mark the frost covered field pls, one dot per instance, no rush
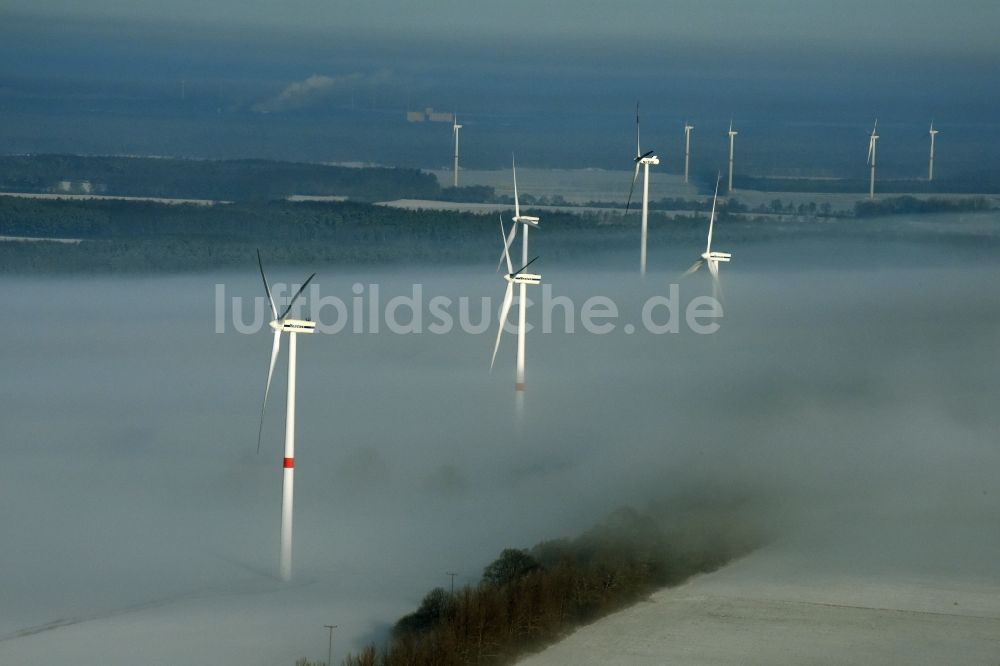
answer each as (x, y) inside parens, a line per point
(780, 607)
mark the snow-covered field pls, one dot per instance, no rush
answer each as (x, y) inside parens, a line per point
(581, 186)
(778, 607)
(63, 196)
(577, 186)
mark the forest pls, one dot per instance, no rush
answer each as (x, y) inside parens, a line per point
(529, 598)
(219, 180)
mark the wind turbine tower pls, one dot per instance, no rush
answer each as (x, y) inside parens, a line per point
(732, 138)
(454, 128)
(872, 139)
(687, 148)
(644, 160)
(930, 166)
(282, 324)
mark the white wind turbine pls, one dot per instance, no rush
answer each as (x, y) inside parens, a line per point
(282, 324)
(527, 221)
(872, 138)
(687, 148)
(644, 160)
(521, 279)
(709, 257)
(454, 128)
(930, 166)
(732, 140)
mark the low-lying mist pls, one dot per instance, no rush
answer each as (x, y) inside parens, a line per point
(847, 409)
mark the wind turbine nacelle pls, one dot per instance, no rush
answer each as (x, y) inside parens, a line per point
(527, 219)
(716, 256)
(652, 159)
(294, 326)
(524, 278)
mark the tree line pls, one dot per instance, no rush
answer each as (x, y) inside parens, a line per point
(529, 598)
(221, 180)
(147, 236)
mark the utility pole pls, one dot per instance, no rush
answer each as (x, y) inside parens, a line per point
(449, 573)
(329, 647)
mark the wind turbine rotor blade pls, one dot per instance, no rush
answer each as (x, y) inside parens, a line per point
(509, 242)
(521, 270)
(508, 298)
(503, 239)
(517, 204)
(713, 268)
(635, 177)
(267, 290)
(711, 219)
(694, 267)
(295, 297)
(637, 149)
(267, 389)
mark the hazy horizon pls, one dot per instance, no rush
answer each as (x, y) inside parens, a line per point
(803, 84)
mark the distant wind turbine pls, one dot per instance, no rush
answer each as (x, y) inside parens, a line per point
(282, 324)
(872, 138)
(687, 148)
(732, 138)
(709, 257)
(930, 166)
(454, 128)
(644, 160)
(526, 221)
(521, 279)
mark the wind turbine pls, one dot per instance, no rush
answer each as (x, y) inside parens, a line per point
(709, 257)
(521, 279)
(282, 324)
(872, 138)
(732, 138)
(687, 148)
(644, 160)
(454, 128)
(930, 166)
(527, 221)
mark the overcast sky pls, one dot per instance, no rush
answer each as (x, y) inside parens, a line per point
(962, 26)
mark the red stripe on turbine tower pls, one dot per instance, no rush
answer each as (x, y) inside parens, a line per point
(289, 463)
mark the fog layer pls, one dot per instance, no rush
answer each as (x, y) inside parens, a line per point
(850, 405)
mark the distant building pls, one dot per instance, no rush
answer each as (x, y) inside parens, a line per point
(75, 187)
(429, 115)
(437, 117)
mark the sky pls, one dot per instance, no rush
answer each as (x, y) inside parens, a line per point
(331, 81)
(965, 26)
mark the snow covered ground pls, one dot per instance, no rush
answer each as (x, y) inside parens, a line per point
(777, 607)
